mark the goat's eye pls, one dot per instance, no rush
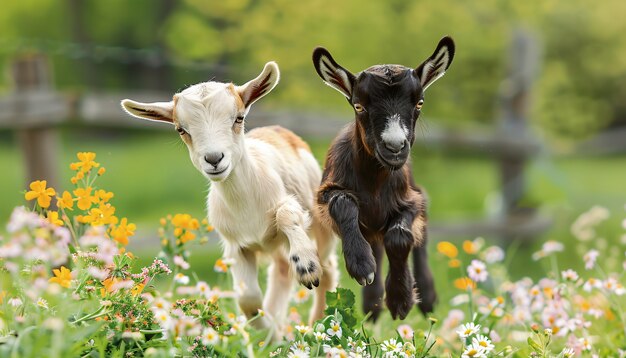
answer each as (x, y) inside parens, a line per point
(239, 119)
(358, 108)
(181, 131)
(419, 104)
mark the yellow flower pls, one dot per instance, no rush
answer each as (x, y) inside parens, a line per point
(53, 218)
(86, 162)
(464, 283)
(448, 249)
(469, 247)
(187, 236)
(123, 231)
(39, 191)
(108, 285)
(102, 215)
(185, 221)
(101, 171)
(63, 277)
(85, 199)
(137, 289)
(220, 266)
(2, 295)
(103, 196)
(454, 263)
(65, 201)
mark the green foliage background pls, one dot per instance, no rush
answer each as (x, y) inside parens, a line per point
(151, 44)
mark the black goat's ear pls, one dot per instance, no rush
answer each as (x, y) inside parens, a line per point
(436, 65)
(332, 73)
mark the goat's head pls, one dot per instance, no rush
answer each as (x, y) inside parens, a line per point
(387, 99)
(209, 117)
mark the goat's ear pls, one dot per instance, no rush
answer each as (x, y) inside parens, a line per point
(332, 73)
(253, 90)
(156, 111)
(436, 65)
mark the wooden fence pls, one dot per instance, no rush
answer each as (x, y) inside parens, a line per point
(34, 109)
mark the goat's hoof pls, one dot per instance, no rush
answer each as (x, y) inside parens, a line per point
(400, 295)
(427, 302)
(361, 266)
(305, 264)
(400, 307)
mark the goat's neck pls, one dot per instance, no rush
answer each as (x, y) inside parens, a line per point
(365, 163)
(240, 180)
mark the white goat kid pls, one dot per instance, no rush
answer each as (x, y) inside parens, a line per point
(262, 192)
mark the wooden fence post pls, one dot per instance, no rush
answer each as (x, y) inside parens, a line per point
(514, 98)
(39, 142)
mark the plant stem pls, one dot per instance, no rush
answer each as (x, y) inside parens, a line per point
(97, 313)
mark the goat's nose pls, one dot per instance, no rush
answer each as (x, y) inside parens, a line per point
(395, 146)
(214, 158)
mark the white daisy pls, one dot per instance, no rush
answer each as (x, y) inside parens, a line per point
(334, 330)
(477, 271)
(468, 329)
(484, 342)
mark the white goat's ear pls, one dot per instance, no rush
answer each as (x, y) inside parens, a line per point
(156, 111)
(253, 90)
(436, 65)
(332, 73)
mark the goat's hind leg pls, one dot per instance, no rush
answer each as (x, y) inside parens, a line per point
(424, 281)
(328, 282)
(293, 222)
(246, 283)
(399, 285)
(279, 287)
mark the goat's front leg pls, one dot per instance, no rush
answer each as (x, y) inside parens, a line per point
(399, 285)
(344, 211)
(373, 294)
(246, 284)
(293, 222)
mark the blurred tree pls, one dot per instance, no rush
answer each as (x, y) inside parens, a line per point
(166, 44)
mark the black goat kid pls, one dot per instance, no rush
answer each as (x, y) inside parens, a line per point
(368, 195)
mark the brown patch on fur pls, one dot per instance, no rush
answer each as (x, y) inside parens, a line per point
(281, 138)
(419, 223)
(322, 214)
(186, 138)
(362, 137)
(241, 107)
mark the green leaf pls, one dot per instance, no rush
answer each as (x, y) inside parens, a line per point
(342, 298)
(534, 345)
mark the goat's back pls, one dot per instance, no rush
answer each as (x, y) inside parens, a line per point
(294, 162)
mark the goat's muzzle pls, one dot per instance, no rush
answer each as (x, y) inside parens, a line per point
(393, 156)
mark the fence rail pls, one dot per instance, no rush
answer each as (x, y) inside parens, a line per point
(34, 110)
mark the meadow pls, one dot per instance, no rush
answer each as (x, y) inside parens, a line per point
(151, 177)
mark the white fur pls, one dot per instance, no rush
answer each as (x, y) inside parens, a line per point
(262, 204)
(394, 130)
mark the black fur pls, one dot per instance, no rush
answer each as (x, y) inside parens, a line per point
(368, 192)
